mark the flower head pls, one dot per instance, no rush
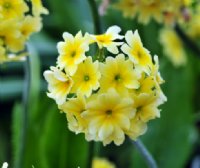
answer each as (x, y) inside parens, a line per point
(137, 53)
(107, 40)
(86, 78)
(72, 52)
(59, 84)
(108, 116)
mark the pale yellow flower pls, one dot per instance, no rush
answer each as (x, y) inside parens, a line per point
(72, 51)
(30, 25)
(38, 8)
(129, 8)
(118, 73)
(146, 106)
(86, 78)
(173, 47)
(73, 109)
(137, 53)
(108, 116)
(10, 9)
(59, 84)
(137, 128)
(102, 163)
(151, 9)
(107, 40)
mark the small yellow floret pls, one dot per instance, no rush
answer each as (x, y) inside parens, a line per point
(119, 74)
(73, 108)
(135, 50)
(59, 84)
(107, 40)
(86, 78)
(109, 116)
(72, 52)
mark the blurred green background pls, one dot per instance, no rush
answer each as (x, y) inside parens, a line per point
(173, 139)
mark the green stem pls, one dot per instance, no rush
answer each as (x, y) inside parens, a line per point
(145, 154)
(95, 16)
(187, 40)
(26, 90)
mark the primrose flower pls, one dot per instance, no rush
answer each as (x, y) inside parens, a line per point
(38, 8)
(102, 163)
(173, 47)
(73, 108)
(72, 52)
(137, 128)
(150, 9)
(106, 99)
(118, 73)
(10, 9)
(18, 23)
(146, 107)
(128, 8)
(107, 40)
(86, 78)
(137, 53)
(59, 84)
(108, 116)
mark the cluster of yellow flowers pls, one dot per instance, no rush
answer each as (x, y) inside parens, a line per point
(162, 11)
(106, 97)
(184, 12)
(172, 43)
(18, 22)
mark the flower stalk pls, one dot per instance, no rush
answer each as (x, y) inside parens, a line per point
(24, 125)
(145, 154)
(95, 16)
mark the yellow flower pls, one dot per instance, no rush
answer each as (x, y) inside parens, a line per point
(73, 109)
(146, 106)
(38, 8)
(173, 47)
(108, 116)
(72, 52)
(137, 53)
(86, 78)
(102, 163)
(107, 40)
(137, 128)
(128, 7)
(150, 9)
(30, 25)
(12, 8)
(59, 84)
(118, 73)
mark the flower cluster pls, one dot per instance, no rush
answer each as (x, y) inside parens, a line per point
(18, 22)
(186, 13)
(113, 93)
(172, 43)
(162, 11)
